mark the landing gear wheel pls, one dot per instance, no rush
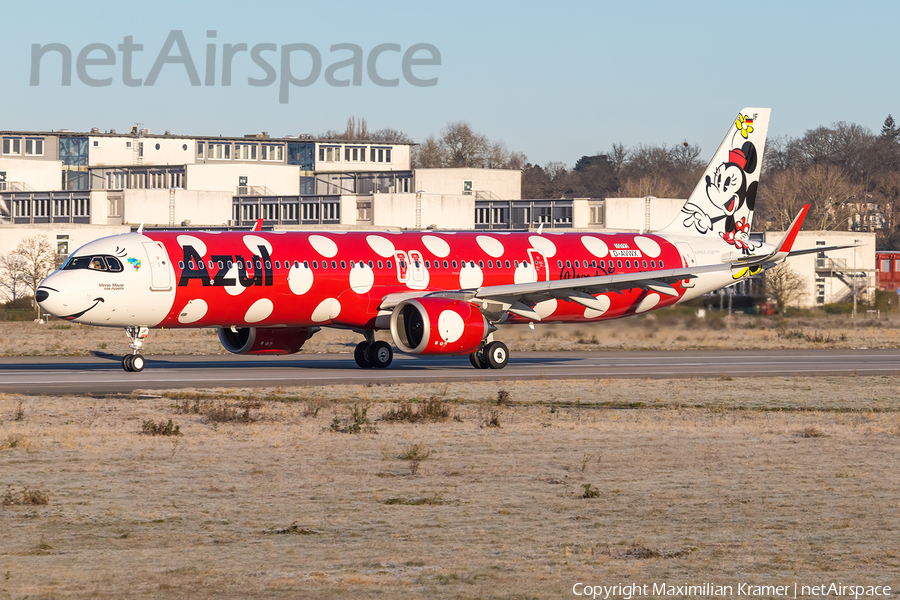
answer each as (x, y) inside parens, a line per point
(380, 355)
(126, 362)
(137, 363)
(497, 354)
(478, 361)
(361, 354)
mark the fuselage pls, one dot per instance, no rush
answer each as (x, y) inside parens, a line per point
(341, 279)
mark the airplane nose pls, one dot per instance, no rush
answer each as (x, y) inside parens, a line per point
(41, 295)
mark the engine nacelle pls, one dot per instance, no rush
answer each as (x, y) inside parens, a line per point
(264, 340)
(437, 326)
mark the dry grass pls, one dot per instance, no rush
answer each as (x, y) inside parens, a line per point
(663, 330)
(708, 481)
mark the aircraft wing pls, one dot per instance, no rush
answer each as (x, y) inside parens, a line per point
(520, 298)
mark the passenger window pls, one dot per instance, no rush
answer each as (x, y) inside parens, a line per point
(569, 264)
(644, 263)
(380, 265)
(334, 264)
(507, 264)
(619, 262)
(445, 265)
(576, 265)
(627, 264)
(390, 264)
(343, 265)
(652, 264)
(660, 265)
(230, 264)
(370, 264)
(490, 264)
(454, 264)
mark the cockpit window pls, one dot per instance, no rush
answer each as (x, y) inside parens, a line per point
(94, 263)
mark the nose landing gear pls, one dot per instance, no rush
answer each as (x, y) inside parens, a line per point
(134, 362)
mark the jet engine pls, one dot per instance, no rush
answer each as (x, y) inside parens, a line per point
(264, 340)
(437, 326)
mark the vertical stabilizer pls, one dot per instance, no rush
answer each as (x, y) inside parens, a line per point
(722, 203)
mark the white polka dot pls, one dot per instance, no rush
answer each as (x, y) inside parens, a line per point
(470, 277)
(235, 288)
(300, 279)
(648, 246)
(450, 326)
(259, 310)
(328, 309)
(436, 245)
(193, 311)
(546, 308)
(543, 244)
(323, 245)
(590, 313)
(524, 273)
(491, 246)
(649, 301)
(361, 278)
(595, 246)
(382, 246)
(195, 242)
(253, 242)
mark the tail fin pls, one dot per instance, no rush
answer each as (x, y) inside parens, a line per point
(722, 203)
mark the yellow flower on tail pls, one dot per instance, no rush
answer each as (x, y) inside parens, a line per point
(745, 124)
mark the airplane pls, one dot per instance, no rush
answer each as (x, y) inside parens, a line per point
(438, 292)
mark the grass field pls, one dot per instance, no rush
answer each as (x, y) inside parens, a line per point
(479, 493)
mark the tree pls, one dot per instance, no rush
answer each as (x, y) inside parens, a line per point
(784, 285)
(889, 129)
(39, 259)
(463, 147)
(12, 271)
(827, 189)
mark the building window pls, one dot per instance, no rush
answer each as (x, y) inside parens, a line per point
(219, 151)
(245, 151)
(897, 265)
(34, 146)
(12, 146)
(885, 265)
(273, 153)
(200, 149)
(62, 245)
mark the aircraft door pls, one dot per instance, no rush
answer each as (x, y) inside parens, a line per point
(160, 270)
(688, 260)
(540, 264)
(402, 266)
(417, 265)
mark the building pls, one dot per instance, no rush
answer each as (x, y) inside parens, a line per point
(835, 275)
(888, 270)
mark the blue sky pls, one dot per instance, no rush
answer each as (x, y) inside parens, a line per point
(555, 81)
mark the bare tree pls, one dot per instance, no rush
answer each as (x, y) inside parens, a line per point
(784, 285)
(12, 272)
(386, 135)
(826, 188)
(39, 259)
(463, 146)
(429, 154)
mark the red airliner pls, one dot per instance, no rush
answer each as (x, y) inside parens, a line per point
(439, 292)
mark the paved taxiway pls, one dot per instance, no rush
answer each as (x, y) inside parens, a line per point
(103, 374)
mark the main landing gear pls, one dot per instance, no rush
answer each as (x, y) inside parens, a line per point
(493, 355)
(371, 354)
(135, 362)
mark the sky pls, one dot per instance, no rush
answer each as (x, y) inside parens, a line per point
(554, 81)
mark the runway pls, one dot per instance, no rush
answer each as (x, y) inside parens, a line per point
(103, 374)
